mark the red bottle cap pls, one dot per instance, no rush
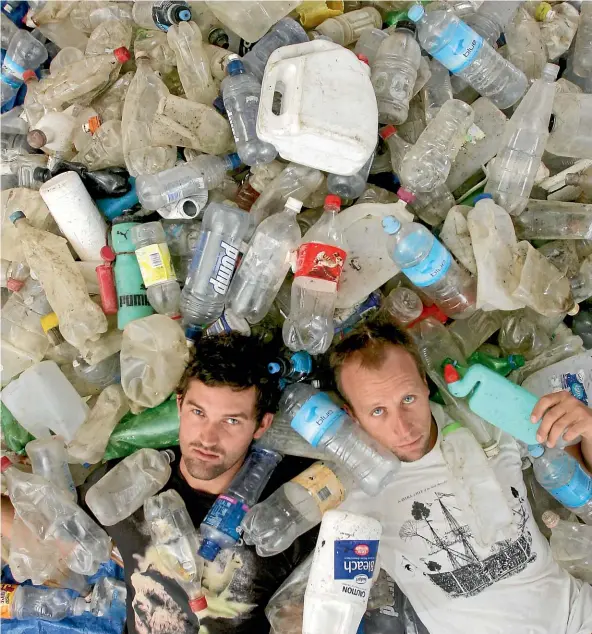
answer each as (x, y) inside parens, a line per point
(121, 54)
(107, 254)
(5, 463)
(387, 131)
(405, 195)
(363, 58)
(331, 201)
(14, 285)
(198, 604)
(430, 311)
(29, 74)
(451, 374)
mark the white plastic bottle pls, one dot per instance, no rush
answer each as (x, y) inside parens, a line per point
(49, 460)
(124, 489)
(455, 45)
(340, 579)
(265, 264)
(320, 260)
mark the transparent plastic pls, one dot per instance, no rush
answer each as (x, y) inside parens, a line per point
(492, 17)
(368, 44)
(582, 56)
(558, 27)
(346, 29)
(50, 461)
(403, 306)
(109, 105)
(47, 604)
(108, 597)
(24, 52)
(350, 187)
(105, 148)
(554, 220)
(571, 545)
(437, 90)
(525, 44)
(473, 332)
(571, 132)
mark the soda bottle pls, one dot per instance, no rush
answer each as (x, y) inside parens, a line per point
(429, 266)
(296, 507)
(403, 305)
(457, 47)
(160, 14)
(50, 461)
(108, 598)
(265, 264)
(501, 365)
(394, 72)
(346, 29)
(437, 90)
(320, 260)
(51, 514)
(168, 186)
(212, 267)
(24, 52)
(327, 427)
(491, 18)
(46, 604)
(220, 527)
(525, 44)
(241, 92)
(561, 475)
(571, 545)
(124, 489)
(511, 174)
(298, 367)
(582, 57)
(341, 575)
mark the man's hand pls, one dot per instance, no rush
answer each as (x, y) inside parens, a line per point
(562, 412)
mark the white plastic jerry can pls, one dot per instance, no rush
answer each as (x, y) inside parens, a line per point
(318, 107)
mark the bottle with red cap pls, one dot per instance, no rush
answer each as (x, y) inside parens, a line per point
(320, 260)
(24, 52)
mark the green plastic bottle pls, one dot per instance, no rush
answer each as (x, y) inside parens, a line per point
(501, 365)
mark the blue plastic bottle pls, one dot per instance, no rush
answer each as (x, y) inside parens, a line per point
(114, 207)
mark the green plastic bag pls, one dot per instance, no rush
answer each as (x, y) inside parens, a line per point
(156, 428)
(14, 434)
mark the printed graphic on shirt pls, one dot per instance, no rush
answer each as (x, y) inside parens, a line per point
(452, 560)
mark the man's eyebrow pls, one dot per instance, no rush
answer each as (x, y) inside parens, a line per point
(194, 404)
(238, 415)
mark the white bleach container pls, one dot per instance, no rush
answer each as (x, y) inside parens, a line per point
(327, 116)
(76, 214)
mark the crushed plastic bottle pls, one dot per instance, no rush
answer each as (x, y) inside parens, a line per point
(346, 29)
(403, 306)
(24, 53)
(50, 461)
(571, 545)
(525, 44)
(46, 604)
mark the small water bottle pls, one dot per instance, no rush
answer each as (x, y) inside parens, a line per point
(46, 604)
(49, 459)
(24, 53)
(403, 306)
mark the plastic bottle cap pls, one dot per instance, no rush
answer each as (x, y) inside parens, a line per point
(193, 333)
(391, 225)
(479, 197)
(36, 138)
(198, 604)
(293, 204)
(331, 201)
(387, 132)
(121, 54)
(363, 58)
(450, 428)
(5, 463)
(235, 65)
(574, 311)
(107, 253)
(550, 519)
(184, 15)
(29, 74)
(451, 374)
(416, 12)
(218, 103)
(209, 550)
(235, 161)
(273, 367)
(536, 451)
(516, 360)
(49, 321)
(405, 195)
(16, 215)
(544, 12)
(14, 285)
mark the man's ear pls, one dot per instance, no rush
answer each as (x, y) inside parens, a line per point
(350, 411)
(263, 426)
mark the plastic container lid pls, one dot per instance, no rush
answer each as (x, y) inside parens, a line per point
(391, 225)
(16, 215)
(363, 58)
(209, 550)
(450, 428)
(451, 374)
(107, 253)
(550, 519)
(416, 12)
(184, 15)
(29, 74)
(536, 451)
(121, 54)
(405, 195)
(273, 367)
(5, 463)
(331, 200)
(14, 285)
(387, 132)
(36, 138)
(479, 197)
(235, 65)
(49, 321)
(198, 604)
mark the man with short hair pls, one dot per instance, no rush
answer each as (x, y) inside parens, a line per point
(455, 585)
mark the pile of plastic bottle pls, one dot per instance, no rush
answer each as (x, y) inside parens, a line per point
(174, 170)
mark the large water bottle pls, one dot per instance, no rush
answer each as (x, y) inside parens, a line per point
(561, 475)
(124, 489)
(327, 427)
(427, 164)
(511, 174)
(455, 45)
(241, 92)
(582, 57)
(394, 72)
(212, 266)
(220, 527)
(169, 186)
(265, 264)
(321, 257)
(296, 507)
(24, 53)
(154, 259)
(46, 604)
(428, 264)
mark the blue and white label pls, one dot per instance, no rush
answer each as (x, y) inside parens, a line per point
(302, 362)
(577, 492)
(316, 416)
(462, 47)
(575, 384)
(354, 560)
(226, 515)
(224, 268)
(432, 268)
(10, 67)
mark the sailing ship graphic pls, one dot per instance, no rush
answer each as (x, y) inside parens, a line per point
(469, 573)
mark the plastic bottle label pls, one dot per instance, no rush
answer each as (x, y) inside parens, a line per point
(577, 492)
(462, 48)
(7, 591)
(324, 486)
(320, 265)
(315, 417)
(432, 268)
(178, 188)
(354, 560)
(573, 383)
(226, 515)
(16, 70)
(155, 264)
(302, 363)
(224, 268)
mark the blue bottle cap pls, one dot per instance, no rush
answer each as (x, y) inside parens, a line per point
(391, 225)
(235, 67)
(185, 15)
(479, 197)
(234, 159)
(218, 103)
(208, 550)
(273, 367)
(416, 12)
(536, 451)
(193, 333)
(16, 215)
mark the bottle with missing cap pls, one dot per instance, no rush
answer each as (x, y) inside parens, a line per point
(161, 14)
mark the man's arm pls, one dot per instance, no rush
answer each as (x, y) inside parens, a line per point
(564, 415)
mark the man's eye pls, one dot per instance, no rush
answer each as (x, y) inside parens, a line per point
(409, 399)
(232, 421)
(197, 412)
(379, 411)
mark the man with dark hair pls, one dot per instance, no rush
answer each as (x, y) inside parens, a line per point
(456, 584)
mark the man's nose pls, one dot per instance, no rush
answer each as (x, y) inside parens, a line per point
(404, 427)
(208, 434)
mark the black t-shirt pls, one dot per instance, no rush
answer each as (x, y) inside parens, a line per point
(237, 585)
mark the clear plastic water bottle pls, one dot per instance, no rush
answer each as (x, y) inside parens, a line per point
(24, 53)
(241, 92)
(219, 528)
(213, 263)
(265, 264)
(511, 174)
(46, 604)
(346, 29)
(320, 260)
(457, 47)
(328, 428)
(403, 305)
(561, 475)
(394, 72)
(160, 14)
(491, 18)
(296, 507)
(582, 57)
(525, 44)
(124, 489)
(204, 172)
(108, 597)
(50, 461)
(287, 31)
(427, 164)
(571, 545)
(437, 91)
(298, 367)
(369, 43)
(350, 187)
(429, 265)
(154, 259)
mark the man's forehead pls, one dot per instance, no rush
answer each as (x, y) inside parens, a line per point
(221, 396)
(394, 364)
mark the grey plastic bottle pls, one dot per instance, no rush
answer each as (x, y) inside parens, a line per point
(240, 93)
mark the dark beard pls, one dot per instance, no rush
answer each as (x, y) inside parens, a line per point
(202, 470)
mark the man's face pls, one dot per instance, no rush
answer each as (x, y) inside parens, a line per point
(391, 402)
(217, 426)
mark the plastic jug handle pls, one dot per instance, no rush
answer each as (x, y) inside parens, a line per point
(463, 386)
(290, 95)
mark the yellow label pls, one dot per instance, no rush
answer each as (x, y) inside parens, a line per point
(324, 486)
(155, 264)
(7, 591)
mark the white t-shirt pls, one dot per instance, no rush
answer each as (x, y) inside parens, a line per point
(456, 586)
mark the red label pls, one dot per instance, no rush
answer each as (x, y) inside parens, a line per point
(319, 265)
(361, 550)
